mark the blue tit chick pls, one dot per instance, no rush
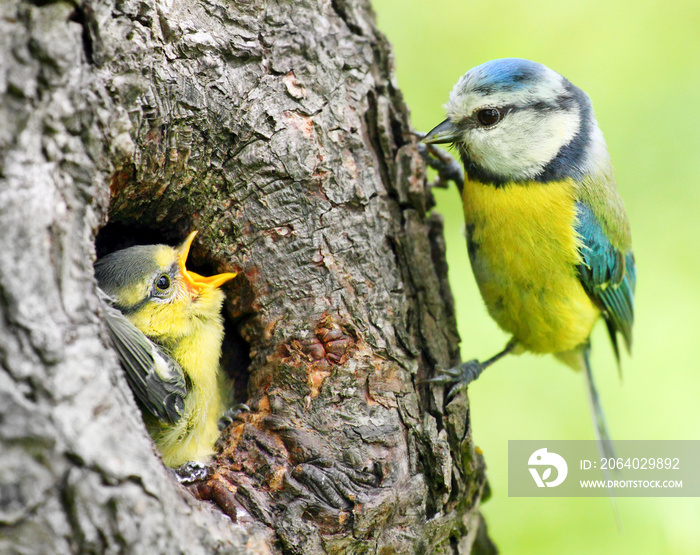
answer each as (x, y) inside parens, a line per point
(166, 326)
(547, 233)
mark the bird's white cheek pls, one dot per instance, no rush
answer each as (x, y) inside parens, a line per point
(505, 151)
(522, 145)
(564, 125)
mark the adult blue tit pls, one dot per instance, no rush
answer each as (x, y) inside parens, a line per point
(166, 327)
(547, 233)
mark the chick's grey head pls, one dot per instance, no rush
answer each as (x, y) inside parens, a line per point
(153, 275)
(517, 120)
(135, 275)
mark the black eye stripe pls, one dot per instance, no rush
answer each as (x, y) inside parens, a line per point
(484, 117)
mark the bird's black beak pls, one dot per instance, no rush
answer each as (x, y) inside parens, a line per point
(446, 132)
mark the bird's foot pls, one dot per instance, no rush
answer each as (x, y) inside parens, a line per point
(458, 377)
(447, 167)
(232, 414)
(192, 471)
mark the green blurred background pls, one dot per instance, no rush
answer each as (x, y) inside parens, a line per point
(640, 64)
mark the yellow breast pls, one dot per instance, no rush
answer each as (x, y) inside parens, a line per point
(192, 438)
(193, 332)
(524, 251)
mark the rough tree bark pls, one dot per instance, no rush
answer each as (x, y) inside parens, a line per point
(276, 130)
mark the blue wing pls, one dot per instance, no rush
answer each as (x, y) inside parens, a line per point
(608, 276)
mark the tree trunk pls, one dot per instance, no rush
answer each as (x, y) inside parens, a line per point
(275, 129)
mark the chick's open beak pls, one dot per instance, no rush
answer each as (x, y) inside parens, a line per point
(194, 281)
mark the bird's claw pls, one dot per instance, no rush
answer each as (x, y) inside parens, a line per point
(458, 377)
(192, 471)
(447, 167)
(448, 376)
(232, 414)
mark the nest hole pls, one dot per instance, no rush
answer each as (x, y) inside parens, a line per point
(235, 351)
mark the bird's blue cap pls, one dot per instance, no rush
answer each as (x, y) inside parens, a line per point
(505, 74)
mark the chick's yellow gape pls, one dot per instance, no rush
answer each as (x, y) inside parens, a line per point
(547, 233)
(165, 324)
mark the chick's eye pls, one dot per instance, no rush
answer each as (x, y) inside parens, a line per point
(488, 116)
(163, 283)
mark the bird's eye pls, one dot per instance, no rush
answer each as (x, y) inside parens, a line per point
(488, 116)
(163, 283)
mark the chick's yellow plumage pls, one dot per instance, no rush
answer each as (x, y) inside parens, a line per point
(166, 325)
